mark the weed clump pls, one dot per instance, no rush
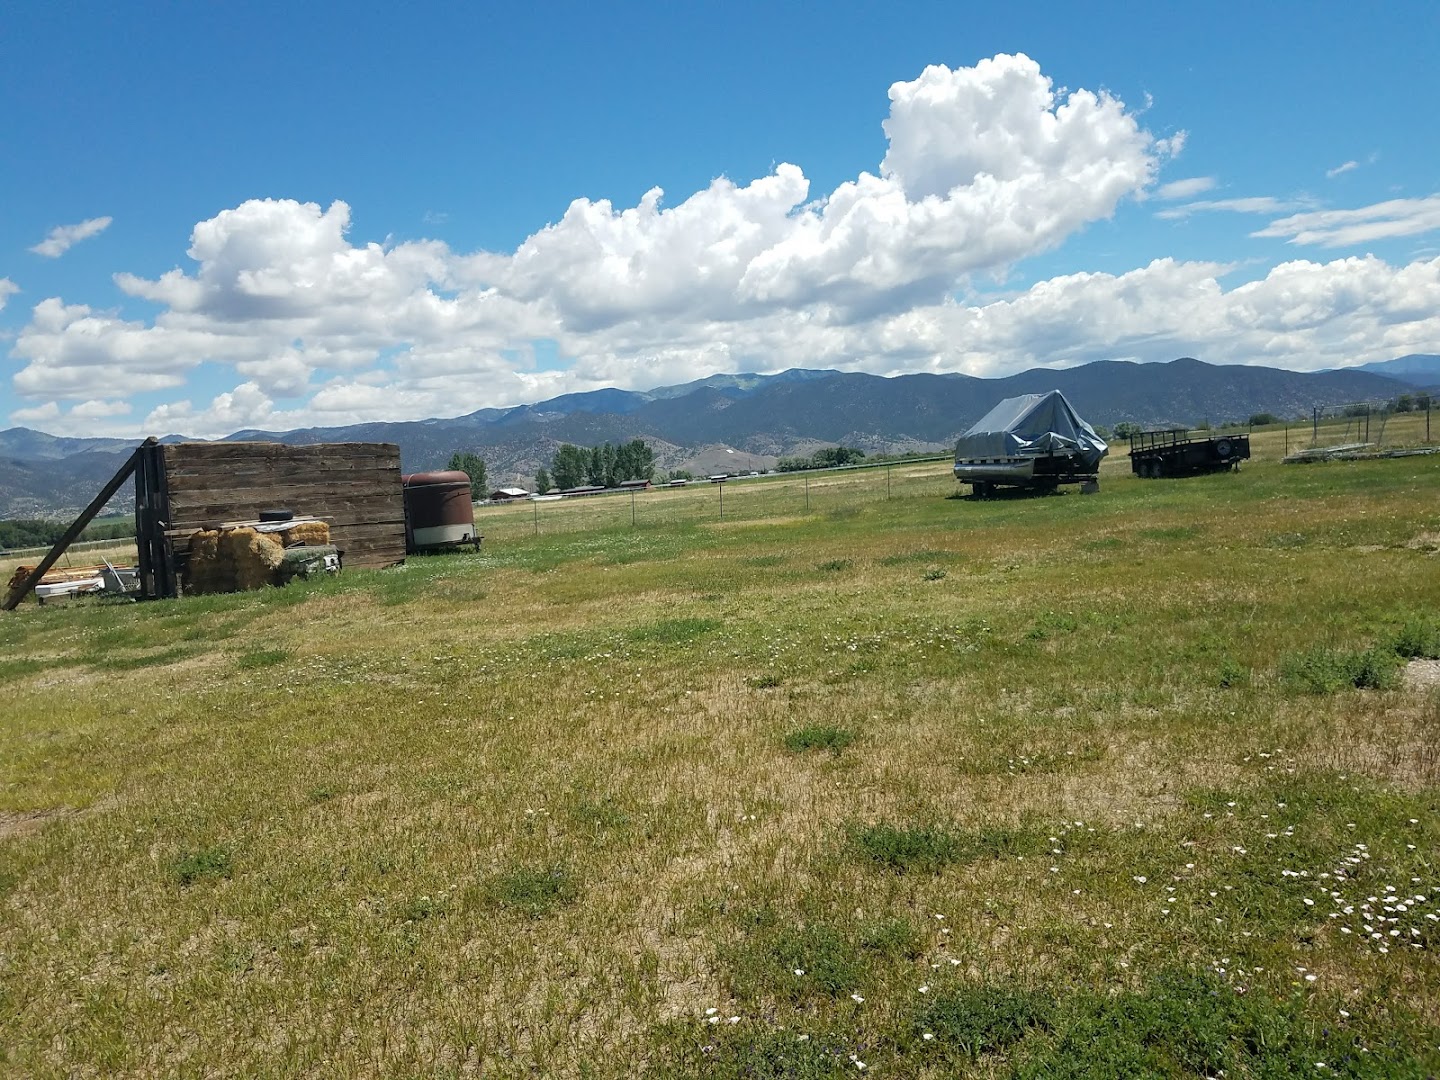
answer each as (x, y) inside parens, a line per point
(1233, 674)
(819, 737)
(975, 1020)
(934, 574)
(262, 658)
(930, 848)
(835, 566)
(210, 862)
(751, 1054)
(1326, 671)
(766, 681)
(532, 891)
(1419, 639)
(674, 631)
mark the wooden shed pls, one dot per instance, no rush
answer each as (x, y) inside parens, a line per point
(181, 487)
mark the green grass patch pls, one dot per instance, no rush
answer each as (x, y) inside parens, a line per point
(261, 658)
(930, 848)
(535, 891)
(969, 1021)
(1324, 670)
(819, 737)
(674, 631)
(1419, 639)
(201, 864)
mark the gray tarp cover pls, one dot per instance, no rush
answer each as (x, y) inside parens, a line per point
(1032, 424)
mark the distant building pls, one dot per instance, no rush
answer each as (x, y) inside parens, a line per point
(586, 489)
(635, 485)
(507, 493)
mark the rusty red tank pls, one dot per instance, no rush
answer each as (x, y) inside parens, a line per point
(438, 510)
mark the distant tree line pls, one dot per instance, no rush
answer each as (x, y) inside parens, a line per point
(474, 466)
(827, 457)
(25, 533)
(607, 465)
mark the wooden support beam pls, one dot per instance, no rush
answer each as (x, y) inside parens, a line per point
(76, 528)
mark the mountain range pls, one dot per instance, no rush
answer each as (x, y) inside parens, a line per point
(746, 421)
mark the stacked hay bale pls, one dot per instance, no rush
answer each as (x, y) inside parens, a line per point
(240, 558)
(311, 533)
(253, 556)
(204, 572)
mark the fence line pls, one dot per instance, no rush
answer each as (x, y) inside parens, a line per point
(736, 499)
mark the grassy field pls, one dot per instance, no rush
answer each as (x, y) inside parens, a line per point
(1134, 784)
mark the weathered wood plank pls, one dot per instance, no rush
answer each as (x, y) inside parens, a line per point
(298, 501)
(355, 487)
(179, 454)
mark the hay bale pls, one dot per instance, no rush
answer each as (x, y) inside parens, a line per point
(229, 560)
(313, 533)
(252, 556)
(205, 572)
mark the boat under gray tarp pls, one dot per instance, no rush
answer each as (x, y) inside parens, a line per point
(1029, 440)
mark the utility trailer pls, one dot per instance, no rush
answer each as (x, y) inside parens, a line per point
(1034, 442)
(1155, 454)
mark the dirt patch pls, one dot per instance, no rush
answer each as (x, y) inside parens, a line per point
(16, 823)
(1422, 675)
(1428, 542)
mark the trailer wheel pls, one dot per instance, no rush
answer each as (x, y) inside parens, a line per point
(1223, 448)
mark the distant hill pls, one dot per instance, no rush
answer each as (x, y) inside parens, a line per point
(1422, 369)
(759, 417)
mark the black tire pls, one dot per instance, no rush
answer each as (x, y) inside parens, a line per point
(1224, 448)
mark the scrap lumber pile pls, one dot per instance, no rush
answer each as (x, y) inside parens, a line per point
(239, 556)
(74, 580)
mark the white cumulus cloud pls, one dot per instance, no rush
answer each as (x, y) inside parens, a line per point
(63, 237)
(8, 289)
(981, 167)
(1340, 170)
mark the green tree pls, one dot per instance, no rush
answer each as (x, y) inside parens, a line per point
(1260, 419)
(473, 465)
(1126, 430)
(542, 481)
(567, 467)
(1404, 403)
(635, 461)
(595, 467)
(609, 466)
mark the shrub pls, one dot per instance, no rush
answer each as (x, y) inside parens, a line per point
(1419, 639)
(1325, 671)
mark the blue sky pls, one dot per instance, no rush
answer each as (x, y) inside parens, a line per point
(282, 215)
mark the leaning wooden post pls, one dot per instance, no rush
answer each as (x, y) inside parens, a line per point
(76, 528)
